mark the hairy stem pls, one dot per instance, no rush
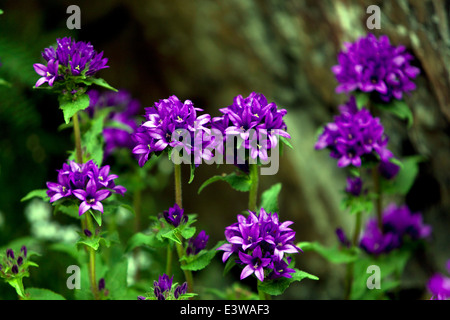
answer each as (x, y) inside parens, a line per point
(253, 194)
(91, 251)
(76, 131)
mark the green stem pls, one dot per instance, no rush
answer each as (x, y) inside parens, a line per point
(378, 200)
(261, 294)
(169, 260)
(91, 251)
(253, 194)
(76, 131)
(350, 265)
(181, 252)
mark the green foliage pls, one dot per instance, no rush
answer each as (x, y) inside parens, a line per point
(334, 254)
(71, 105)
(201, 260)
(400, 109)
(38, 193)
(405, 178)
(269, 198)
(362, 203)
(238, 181)
(42, 294)
(278, 286)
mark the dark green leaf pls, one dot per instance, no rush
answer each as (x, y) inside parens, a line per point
(333, 254)
(70, 107)
(269, 198)
(402, 183)
(239, 182)
(278, 286)
(38, 193)
(400, 109)
(43, 294)
(200, 260)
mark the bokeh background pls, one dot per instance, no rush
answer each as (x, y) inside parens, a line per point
(209, 52)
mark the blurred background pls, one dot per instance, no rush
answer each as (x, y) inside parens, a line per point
(210, 52)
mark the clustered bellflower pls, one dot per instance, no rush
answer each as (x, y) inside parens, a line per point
(69, 60)
(261, 243)
(165, 126)
(439, 285)
(398, 224)
(85, 182)
(163, 289)
(12, 264)
(197, 244)
(252, 113)
(175, 216)
(124, 109)
(374, 65)
(353, 135)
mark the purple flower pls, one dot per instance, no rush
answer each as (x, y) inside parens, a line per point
(388, 170)
(439, 285)
(69, 59)
(197, 244)
(398, 224)
(175, 216)
(91, 197)
(354, 134)
(86, 182)
(180, 290)
(101, 284)
(260, 237)
(253, 114)
(10, 253)
(48, 73)
(254, 264)
(374, 65)
(168, 124)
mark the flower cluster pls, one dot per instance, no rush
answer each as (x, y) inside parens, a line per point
(398, 223)
(256, 121)
(163, 289)
(12, 265)
(261, 243)
(197, 244)
(69, 59)
(439, 285)
(124, 109)
(354, 134)
(86, 182)
(374, 65)
(169, 123)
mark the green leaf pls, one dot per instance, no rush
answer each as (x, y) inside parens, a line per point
(43, 294)
(95, 241)
(97, 215)
(5, 83)
(362, 99)
(39, 193)
(102, 83)
(201, 260)
(71, 107)
(17, 284)
(333, 254)
(140, 239)
(239, 182)
(93, 138)
(278, 286)
(286, 142)
(405, 178)
(191, 178)
(269, 198)
(400, 109)
(362, 203)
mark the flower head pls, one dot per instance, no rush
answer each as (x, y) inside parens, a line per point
(261, 243)
(353, 135)
(14, 263)
(165, 289)
(168, 124)
(374, 65)
(69, 59)
(85, 182)
(354, 186)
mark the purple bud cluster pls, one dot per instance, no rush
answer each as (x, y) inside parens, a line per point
(374, 65)
(11, 264)
(85, 182)
(163, 289)
(69, 59)
(261, 244)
